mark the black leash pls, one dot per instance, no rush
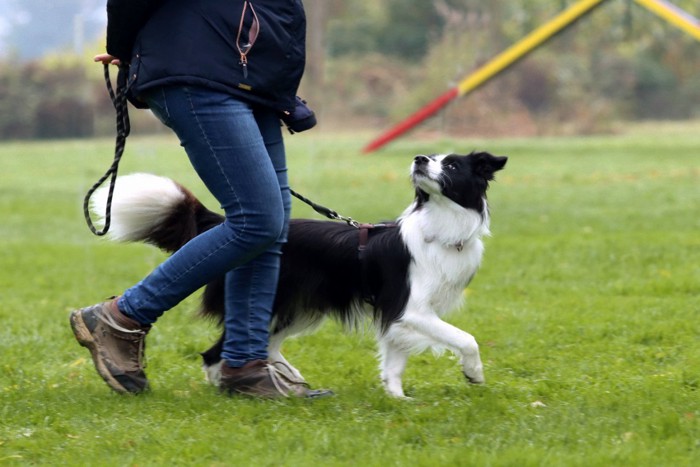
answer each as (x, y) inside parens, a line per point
(363, 229)
(123, 128)
(119, 101)
(329, 213)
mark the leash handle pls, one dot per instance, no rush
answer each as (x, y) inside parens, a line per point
(119, 102)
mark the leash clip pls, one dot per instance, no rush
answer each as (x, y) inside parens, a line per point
(350, 221)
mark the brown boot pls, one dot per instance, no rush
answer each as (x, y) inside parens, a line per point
(258, 378)
(116, 342)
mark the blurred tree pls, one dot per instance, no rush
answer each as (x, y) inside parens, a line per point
(19, 98)
(45, 99)
(411, 28)
(317, 20)
(372, 61)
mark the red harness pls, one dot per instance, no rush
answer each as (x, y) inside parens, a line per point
(364, 229)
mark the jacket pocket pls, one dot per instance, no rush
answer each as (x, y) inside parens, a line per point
(277, 58)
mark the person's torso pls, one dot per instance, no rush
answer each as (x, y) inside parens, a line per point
(201, 42)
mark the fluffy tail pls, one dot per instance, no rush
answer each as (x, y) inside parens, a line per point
(152, 209)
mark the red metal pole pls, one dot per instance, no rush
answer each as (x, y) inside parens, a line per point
(413, 120)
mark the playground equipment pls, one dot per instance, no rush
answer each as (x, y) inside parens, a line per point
(525, 46)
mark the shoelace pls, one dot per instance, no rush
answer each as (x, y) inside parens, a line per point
(286, 372)
(108, 319)
(137, 335)
(281, 386)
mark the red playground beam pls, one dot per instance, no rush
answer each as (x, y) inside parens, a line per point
(517, 51)
(499, 63)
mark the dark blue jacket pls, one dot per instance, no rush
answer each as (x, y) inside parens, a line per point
(195, 42)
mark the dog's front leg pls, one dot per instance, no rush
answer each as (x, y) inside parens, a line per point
(431, 327)
(393, 363)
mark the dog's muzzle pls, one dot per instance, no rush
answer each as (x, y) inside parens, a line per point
(420, 165)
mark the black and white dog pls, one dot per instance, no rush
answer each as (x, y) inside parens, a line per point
(404, 276)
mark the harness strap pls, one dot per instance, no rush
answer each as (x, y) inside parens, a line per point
(362, 229)
(364, 235)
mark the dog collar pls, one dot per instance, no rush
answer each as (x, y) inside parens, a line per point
(459, 246)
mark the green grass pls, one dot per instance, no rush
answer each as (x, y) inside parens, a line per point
(587, 309)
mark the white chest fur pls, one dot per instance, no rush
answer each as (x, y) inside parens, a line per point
(446, 247)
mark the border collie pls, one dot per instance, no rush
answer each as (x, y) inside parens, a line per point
(404, 276)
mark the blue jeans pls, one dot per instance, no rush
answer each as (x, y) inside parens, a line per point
(238, 151)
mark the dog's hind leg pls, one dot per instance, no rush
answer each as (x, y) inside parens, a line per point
(276, 358)
(392, 365)
(279, 333)
(212, 362)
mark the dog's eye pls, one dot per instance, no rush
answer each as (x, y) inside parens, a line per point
(451, 166)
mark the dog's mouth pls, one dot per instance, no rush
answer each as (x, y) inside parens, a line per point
(424, 173)
(419, 171)
(419, 168)
(420, 175)
(422, 179)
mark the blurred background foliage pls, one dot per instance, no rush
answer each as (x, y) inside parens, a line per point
(372, 63)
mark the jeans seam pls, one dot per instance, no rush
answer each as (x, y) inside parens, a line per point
(212, 152)
(251, 294)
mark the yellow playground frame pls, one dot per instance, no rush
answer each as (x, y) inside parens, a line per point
(666, 10)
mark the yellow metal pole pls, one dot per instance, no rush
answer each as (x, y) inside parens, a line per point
(499, 63)
(673, 15)
(526, 45)
(536, 38)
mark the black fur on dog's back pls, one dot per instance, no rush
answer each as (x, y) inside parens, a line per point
(322, 274)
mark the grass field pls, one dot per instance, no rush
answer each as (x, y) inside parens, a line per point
(587, 310)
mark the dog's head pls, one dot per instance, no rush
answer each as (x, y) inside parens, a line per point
(462, 179)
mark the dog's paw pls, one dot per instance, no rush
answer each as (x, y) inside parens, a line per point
(212, 373)
(394, 389)
(475, 379)
(401, 397)
(474, 375)
(474, 372)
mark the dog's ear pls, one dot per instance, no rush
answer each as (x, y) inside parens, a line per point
(485, 164)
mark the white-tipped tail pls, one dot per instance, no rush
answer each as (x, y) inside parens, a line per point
(141, 202)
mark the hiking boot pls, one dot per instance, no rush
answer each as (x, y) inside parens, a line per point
(116, 343)
(259, 378)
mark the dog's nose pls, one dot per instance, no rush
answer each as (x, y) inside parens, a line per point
(421, 159)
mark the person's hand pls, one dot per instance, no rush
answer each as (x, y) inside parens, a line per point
(107, 59)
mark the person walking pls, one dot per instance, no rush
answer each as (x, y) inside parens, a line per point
(219, 73)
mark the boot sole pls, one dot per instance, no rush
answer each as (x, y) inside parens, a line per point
(85, 339)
